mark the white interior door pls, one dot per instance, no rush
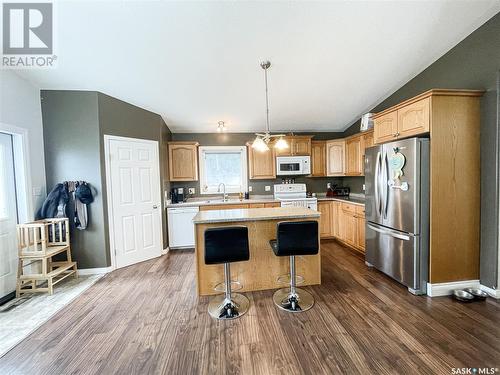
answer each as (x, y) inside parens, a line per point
(8, 217)
(135, 215)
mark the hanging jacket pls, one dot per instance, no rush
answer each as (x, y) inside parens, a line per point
(55, 203)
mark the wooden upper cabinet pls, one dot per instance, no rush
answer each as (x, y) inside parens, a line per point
(385, 127)
(354, 166)
(367, 139)
(183, 161)
(335, 157)
(414, 118)
(261, 164)
(404, 121)
(366, 142)
(287, 151)
(299, 145)
(318, 158)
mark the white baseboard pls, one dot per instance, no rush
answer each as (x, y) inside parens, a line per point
(94, 271)
(495, 293)
(164, 251)
(446, 289)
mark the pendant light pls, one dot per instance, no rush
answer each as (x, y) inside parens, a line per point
(261, 142)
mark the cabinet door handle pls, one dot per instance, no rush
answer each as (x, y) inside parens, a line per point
(397, 134)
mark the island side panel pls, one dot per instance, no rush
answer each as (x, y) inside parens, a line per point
(263, 268)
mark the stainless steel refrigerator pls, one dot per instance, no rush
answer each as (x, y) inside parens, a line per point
(397, 211)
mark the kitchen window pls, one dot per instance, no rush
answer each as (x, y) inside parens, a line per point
(223, 164)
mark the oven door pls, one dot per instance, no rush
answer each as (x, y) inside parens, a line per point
(287, 166)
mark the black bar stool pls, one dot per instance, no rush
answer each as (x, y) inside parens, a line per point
(295, 238)
(225, 245)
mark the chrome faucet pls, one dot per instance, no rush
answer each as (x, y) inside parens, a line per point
(224, 195)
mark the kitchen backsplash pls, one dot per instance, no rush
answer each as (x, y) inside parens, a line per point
(314, 184)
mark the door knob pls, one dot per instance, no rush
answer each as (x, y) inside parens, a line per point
(155, 207)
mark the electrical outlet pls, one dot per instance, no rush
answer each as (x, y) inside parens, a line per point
(363, 187)
(192, 191)
(249, 188)
(267, 188)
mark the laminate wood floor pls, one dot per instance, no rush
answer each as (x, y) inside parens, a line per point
(147, 319)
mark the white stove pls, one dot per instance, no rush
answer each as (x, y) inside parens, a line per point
(294, 195)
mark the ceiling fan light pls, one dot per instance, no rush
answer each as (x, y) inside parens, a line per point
(259, 144)
(281, 144)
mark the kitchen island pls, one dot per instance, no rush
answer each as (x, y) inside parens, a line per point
(263, 268)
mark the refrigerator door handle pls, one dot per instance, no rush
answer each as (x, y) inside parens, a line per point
(385, 178)
(389, 232)
(378, 203)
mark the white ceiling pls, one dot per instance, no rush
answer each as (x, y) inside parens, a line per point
(196, 63)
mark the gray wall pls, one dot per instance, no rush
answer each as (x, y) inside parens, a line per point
(314, 184)
(471, 64)
(74, 123)
(71, 139)
(122, 119)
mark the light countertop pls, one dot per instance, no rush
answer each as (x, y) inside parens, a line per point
(210, 201)
(254, 214)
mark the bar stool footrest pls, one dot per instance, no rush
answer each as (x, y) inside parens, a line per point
(286, 279)
(235, 286)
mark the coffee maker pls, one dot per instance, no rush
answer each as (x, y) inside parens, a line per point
(177, 195)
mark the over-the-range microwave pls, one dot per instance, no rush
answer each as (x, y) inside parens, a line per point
(293, 165)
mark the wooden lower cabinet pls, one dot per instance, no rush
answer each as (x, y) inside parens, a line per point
(335, 218)
(223, 207)
(325, 222)
(360, 243)
(256, 205)
(234, 206)
(348, 227)
(273, 204)
(343, 221)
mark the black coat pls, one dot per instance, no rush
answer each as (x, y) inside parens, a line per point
(55, 203)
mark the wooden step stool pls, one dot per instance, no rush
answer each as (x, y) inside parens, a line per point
(38, 242)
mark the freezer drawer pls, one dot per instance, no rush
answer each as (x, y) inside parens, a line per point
(397, 254)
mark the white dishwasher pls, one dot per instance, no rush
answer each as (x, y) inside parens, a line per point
(181, 227)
